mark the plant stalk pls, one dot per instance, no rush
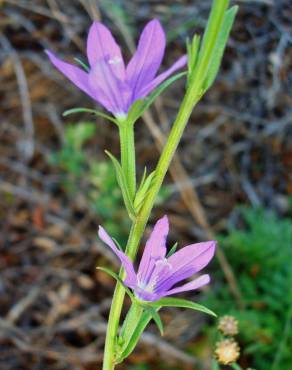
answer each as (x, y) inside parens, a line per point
(139, 224)
(128, 162)
(191, 98)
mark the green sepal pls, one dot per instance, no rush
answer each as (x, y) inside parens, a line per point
(183, 303)
(219, 48)
(123, 185)
(82, 64)
(143, 190)
(87, 110)
(172, 250)
(155, 316)
(118, 244)
(118, 279)
(139, 107)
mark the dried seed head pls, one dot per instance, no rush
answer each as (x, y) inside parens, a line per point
(227, 351)
(228, 325)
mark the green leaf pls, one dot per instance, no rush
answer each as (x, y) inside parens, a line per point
(125, 351)
(123, 185)
(130, 323)
(193, 52)
(156, 318)
(139, 107)
(117, 278)
(87, 110)
(183, 303)
(143, 177)
(209, 40)
(219, 48)
(83, 65)
(143, 190)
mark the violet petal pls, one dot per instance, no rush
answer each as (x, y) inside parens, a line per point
(101, 45)
(192, 285)
(73, 73)
(155, 249)
(186, 262)
(131, 279)
(146, 61)
(196, 255)
(116, 92)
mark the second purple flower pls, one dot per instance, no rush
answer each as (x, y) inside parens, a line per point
(157, 275)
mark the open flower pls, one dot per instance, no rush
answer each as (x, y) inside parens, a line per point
(108, 81)
(157, 274)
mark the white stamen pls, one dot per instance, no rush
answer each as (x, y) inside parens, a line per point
(115, 60)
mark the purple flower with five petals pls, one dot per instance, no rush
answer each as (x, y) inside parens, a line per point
(157, 274)
(111, 83)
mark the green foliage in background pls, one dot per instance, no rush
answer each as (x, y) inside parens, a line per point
(94, 179)
(260, 253)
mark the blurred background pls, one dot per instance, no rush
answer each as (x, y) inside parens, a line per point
(231, 180)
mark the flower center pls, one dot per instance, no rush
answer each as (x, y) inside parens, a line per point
(160, 269)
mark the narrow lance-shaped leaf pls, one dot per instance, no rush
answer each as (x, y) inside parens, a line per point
(183, 303)
(220, 46)
(123, 185)
(209, 39)
(156, 318)
(130, 323)
(143, 177)
(193, 52)
(126, 350)
(143, 190)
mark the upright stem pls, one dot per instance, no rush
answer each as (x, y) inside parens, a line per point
(128, 162)
(138, 226)
(191, 98)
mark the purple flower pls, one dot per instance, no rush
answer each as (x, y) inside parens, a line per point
(108, 81)
(157, 274)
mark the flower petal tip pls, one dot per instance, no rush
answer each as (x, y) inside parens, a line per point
(155, 22)
(164, 219)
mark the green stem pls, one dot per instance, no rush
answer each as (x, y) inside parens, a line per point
(191, 98)
(128, 162)
(235, 366)
(138, 226)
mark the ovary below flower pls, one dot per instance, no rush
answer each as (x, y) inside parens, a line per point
(157, 275)
(111, 83)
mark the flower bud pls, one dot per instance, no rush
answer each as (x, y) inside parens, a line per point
(228, 325)
(227, 351)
